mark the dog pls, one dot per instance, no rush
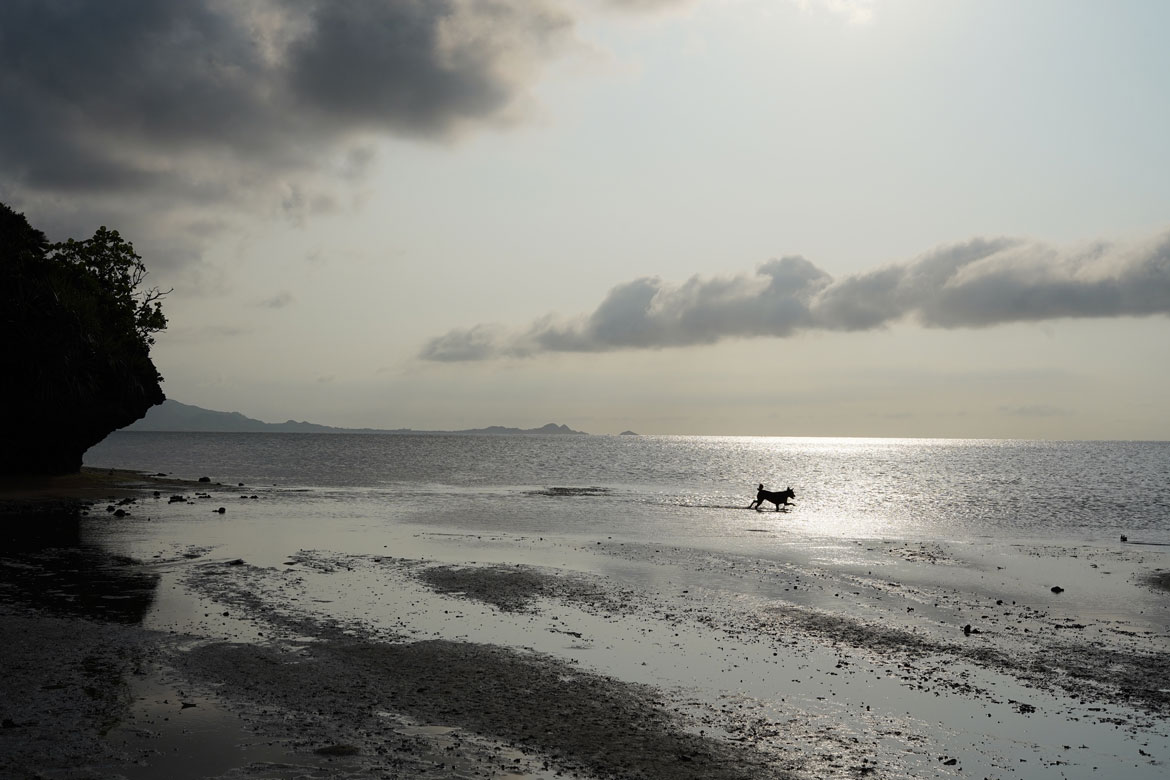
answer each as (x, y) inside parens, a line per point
(777, 497)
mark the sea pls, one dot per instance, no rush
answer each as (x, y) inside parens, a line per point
(690, 488)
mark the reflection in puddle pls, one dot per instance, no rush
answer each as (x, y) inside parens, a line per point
(176, 735)
(48, 563)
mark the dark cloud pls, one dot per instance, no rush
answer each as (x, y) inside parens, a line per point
(980, 283)
(170, 108)
(419, 67)
(92, 90)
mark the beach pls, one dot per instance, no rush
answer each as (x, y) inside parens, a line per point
(180, 641)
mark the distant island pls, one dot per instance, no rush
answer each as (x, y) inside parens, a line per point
(172, 415)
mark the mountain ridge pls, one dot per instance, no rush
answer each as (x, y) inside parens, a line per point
(176, 416)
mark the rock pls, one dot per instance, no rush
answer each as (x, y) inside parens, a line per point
(75, 368)
(1057, 589)
(120, 513)
(967, 630)
(221, 510)
(1124, 538)
(236, 562)
(205, 479)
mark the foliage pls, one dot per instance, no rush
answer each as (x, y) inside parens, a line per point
(111, 272)
(77, 326)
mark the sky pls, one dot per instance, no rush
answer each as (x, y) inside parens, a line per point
(917, 218)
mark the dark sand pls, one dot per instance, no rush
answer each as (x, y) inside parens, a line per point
(89, 484)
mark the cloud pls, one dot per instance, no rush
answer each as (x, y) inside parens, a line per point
(185, 109)
(279, 301)
(853, 11)
(978, 283)
(1034, 410)
(477, 343)
(254, 81)
(644, 6)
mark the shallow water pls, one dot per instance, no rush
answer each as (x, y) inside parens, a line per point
(669, 486)
(819, 653)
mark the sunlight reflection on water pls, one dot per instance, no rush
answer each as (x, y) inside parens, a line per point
(697, 486)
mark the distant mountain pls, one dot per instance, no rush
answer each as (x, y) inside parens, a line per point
(171, 415)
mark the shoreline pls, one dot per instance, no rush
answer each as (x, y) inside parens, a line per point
(269, 641)
(91, 484)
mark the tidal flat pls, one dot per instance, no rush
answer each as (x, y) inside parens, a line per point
(295, 636)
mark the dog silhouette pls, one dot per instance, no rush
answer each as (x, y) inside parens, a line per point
(777, 497)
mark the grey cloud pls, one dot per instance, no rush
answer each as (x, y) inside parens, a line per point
(198, 107)
(93, 84)
(979, 283)
(638, 6)
(478, 343)
(646, 313)
(419, 66)
(1034, 410)
(872, 299)
(278, 301)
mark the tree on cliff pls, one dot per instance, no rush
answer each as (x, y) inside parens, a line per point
(76, 327)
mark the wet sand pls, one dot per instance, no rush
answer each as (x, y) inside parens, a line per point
(89, 484)
(263, 642)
